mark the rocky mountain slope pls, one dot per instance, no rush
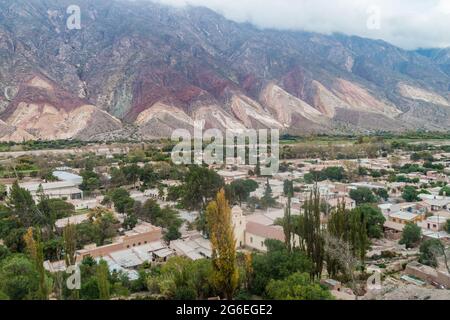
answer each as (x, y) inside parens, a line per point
(142, 69)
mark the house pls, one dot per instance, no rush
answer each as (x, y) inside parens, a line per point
(127, 260)
(69, 177)
(230, 176)
(66, 190)
(253, 230)
(334, 202)
(193, 246)
(132, 258)
(437, 204)
(434, 223)
(332, 284)
(396, 222)
(440, 235)
(144, 233)
(404, 217)
(73, 220)
(85, 204)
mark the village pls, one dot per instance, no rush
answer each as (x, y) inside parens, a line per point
(406, 191)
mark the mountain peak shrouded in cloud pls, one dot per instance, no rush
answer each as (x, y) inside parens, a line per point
(409, 24)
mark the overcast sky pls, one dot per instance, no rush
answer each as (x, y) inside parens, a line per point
(407, 23)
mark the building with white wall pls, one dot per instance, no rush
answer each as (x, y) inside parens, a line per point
(253, 230)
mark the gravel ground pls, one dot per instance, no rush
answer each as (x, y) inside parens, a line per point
(412, 292)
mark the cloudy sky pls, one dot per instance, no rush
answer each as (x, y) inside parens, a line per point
(407, 23)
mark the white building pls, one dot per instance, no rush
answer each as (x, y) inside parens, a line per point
(66, 190)
(252, 231)
(194, 247)
(67, 176)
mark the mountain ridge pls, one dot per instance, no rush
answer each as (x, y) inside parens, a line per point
(142, 69)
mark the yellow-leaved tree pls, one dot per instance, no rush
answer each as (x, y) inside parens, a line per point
(223, 244)
(35, 249)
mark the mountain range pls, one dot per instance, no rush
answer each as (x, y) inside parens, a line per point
(139, 70)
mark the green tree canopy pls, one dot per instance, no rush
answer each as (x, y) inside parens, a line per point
(374, 220)
(429, 251)
(411, 235)
(277, 264)
(19, 279)
(445, 190)
(297, 286)
(363, 195)
(201, 185)
(410, 194)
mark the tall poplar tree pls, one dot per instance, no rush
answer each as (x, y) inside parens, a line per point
(337, 228)
(70, 244)
(312, 232)
(35, 250)
(287, 225)
(223, 243)
(102, 273)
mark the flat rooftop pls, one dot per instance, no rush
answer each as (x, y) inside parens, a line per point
(408, 216)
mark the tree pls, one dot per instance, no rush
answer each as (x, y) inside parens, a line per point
(429, 251)
(91, 180)
(248, 270)
(374, 220)
(257, 170)
(288, 227)
(334, 173)
(358, 234)
(382, 193)
(411, 235)
(182, 278)
(277, 264)
(351, 169)
(35, 251)
(200, 187)
(3, 192)
(223, 245)
(105, 223)
(130, 221)
(4, 252)
(337, 228)
(297, 286)
(363, 195)
(53, 209)
(445, 190)
(312, 232)
(288, 188)
(70, 244)
(447, 226)
(240, 190)
(118, 178)
(102, 280)
(151, 211)
(22, 205)
(410, 194)
(172, 233)
(70, 247)
(123, 203)
(132, 173)
(19, 279)
(341, 251)
(100, 227)
(267, 201)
